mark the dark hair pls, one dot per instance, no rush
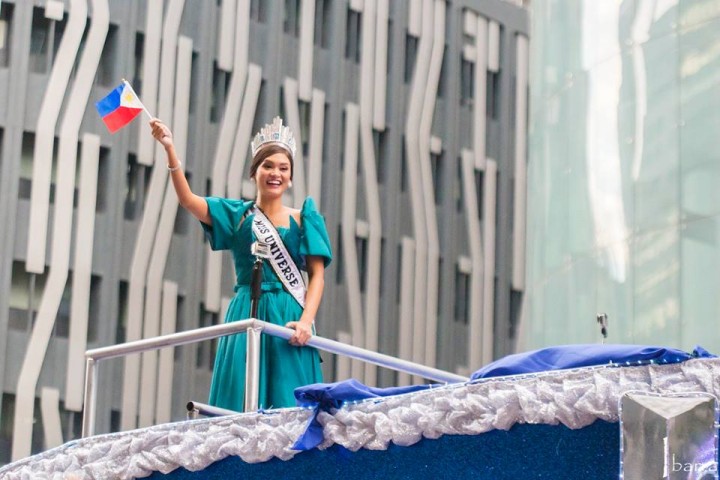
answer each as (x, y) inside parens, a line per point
(265, 153)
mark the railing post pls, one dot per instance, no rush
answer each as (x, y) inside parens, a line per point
(91, 378)
(252, 368)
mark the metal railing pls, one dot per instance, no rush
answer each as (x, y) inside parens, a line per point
(254, 329)
(196, 408)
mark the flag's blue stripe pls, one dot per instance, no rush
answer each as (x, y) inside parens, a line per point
(110, 103)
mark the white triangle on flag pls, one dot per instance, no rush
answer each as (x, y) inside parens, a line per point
(129, 99)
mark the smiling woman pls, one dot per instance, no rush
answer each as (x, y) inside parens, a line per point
(297, 239)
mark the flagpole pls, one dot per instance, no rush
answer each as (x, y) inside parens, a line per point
(136, 96)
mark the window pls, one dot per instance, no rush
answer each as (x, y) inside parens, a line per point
(205, 353)
(322, 23)
(258, 10)
(403, 168)
(353, 39)
(411, 45)
(467, 81)
(493, 95)
(7, 417)
(459, 191)
(25, 295)
(27, 156)
(379, 140)
(326, 135)
(2, 137)
(338, 259)
(391, 51)
(102, 180)
(291, 21)
(62, 320)
(462, 296)
(479, 184)
(138, 62)
(120, 331)
(361, 245)
(106, 68)
(194, 83)
(6, 16)
(45, 39)
(305, 111)
(442, 83)
(383, 267)
(220, 86)
(436, 167)
(41, 41)
(137, 181)
(95, 313)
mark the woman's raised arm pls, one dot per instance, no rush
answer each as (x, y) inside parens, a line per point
(194, 204)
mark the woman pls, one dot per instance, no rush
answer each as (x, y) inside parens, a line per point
(235, 225)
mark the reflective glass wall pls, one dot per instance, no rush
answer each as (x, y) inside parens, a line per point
(624, 173)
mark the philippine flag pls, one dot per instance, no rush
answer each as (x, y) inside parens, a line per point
(119, 107)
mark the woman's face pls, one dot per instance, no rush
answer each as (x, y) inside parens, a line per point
(273, 175)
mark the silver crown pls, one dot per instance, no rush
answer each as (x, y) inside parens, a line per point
(274, 134)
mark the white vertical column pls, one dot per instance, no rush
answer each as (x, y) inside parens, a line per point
(82, 273)
(226, 35)
(50, 412)
(381, 50)
(166, 365)
(488, 228)
(150, 76)
(372, 194)
(493, 46)
(475, 338)
(317, 133)
(415, 18)
(405, 333)
(433, 258)
(413, 149)
(45, 136)
(305, 58)
(480, 92)
(519, 192)
(348, 230)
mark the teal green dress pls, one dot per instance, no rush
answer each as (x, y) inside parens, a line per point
(283, 367)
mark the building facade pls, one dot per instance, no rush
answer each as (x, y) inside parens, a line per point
(623, 217)
(411, 121)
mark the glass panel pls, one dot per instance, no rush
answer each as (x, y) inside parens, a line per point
(700, 284)
(700, 113)
(656, 159)
(696, 12)
(656, 288)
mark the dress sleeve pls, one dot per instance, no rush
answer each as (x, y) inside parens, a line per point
(314, 240)
(226, 215)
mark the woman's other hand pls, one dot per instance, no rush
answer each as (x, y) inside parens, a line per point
(303, 332)
(161, 133)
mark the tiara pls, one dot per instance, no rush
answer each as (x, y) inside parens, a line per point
(274, 134)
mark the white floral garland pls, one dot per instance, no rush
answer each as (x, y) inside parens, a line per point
(574, 398)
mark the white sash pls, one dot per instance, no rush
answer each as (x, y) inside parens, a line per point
(280, 259)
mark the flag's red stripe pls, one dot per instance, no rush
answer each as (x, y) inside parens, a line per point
(120, 117)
